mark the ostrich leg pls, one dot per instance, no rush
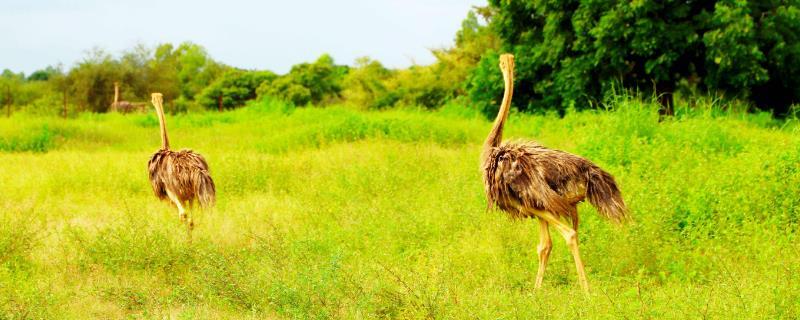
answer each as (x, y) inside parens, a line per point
(545, 244)
(190, 225)
(181, 212)
(185, 218)
(571, 236)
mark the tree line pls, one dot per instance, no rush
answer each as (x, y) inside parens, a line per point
(570, 54)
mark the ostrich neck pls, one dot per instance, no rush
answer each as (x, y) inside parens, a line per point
(496, 135)
(163, 124)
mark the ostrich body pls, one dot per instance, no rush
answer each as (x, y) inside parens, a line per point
(527, 180)
(181, 177)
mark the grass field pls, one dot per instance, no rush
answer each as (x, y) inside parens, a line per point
(335, 213)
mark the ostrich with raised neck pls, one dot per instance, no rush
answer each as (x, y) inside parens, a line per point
(181, 177)
(527, 180)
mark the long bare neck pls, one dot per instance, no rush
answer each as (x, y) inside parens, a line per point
(496, 135)
(157, 102)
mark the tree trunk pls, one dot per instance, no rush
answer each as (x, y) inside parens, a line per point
(8, 101)
(664, 91)
(65, 104)
(219, 103)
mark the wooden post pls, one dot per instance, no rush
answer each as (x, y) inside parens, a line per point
(664, 92)
(8, 100)
(65, 103)
(219, 102)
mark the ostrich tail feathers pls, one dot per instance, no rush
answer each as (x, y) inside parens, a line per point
(205, 190)
(604, 195)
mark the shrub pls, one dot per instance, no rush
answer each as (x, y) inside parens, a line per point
(233, 89)
(318, 82)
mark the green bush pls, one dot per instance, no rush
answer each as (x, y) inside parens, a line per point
(35, 139)
(365, 84)
(318, 83)
(233, 89)
(285, 89)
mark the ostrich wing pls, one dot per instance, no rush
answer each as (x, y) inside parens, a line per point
(156, 171)
(531, 173)
(184, 173)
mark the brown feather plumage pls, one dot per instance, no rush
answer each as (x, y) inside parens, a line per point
(520, 175)
(185, 174)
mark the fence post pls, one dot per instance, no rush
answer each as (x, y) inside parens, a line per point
(65, 103)
(8, 100)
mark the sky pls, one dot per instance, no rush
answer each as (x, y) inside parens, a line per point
(267, 34)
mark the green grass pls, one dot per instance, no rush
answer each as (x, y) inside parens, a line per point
(335, 213)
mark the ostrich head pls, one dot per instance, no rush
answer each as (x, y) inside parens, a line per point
(507, 66)
(157, 100)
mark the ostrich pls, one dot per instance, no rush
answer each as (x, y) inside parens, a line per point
(180, 176)
(527, 180)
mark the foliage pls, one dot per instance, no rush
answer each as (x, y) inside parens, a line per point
(570, 54)
(45, 74)
(472, 42)
(286, 89)
(233, 89)
(16, 91)
(179, 73)
(432, 86)
(318, 82)
(575, 52)
(92, 80)
(184, 71)
(365, 84)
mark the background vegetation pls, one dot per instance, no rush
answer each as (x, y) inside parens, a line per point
(570, 54)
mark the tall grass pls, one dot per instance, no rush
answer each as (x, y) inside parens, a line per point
(336, 213)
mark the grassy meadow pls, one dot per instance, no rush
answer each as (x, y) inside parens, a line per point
(337, 213)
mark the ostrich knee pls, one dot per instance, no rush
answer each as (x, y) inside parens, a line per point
(571, 237)
(544, 249)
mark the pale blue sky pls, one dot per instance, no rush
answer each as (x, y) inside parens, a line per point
(247, 34)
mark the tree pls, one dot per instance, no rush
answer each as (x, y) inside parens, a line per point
(9, 84)
(16, 92)
(196, 69)
(62, 85)
(93, 80)
(233, 89)
(365, 84)
(45, 74)
(570, 53)
(286, 89)
(182, 71)
(431, 86)
(317, 82)
(472, 41)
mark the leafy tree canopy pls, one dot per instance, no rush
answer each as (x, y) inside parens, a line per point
(573, 53)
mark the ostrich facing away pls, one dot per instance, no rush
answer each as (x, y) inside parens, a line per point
(527, 180)
(181, 177)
